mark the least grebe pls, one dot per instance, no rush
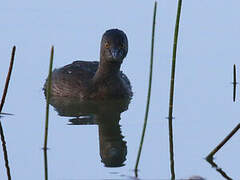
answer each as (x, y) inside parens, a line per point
(96, 80)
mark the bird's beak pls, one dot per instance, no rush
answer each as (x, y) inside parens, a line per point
(115, 54)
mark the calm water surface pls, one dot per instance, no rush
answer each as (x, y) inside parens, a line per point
(204, 111)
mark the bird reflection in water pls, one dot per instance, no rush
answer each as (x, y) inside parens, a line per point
(105, 114)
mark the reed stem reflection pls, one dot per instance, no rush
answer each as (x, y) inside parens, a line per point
(214, 165)
(45, 164)
(5, 152)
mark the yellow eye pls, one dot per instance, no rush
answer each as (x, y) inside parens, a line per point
(107, 45)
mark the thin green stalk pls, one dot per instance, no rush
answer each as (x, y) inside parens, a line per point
(170, 114)
(48, 97)
(8, 78)
(174, 60)
(149, 89)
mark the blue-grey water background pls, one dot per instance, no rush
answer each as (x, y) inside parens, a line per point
(203, 108)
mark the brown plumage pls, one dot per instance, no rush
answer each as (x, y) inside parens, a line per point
(96, 80)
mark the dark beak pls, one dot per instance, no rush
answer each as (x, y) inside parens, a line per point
(115, 53)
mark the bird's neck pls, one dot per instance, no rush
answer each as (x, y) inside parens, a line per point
(107, 70)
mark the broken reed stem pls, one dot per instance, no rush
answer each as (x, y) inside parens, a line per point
(8, 78)
(170, 114)
(48, 97)
(234, 82)
(225, 140)
(220, 145)
(149, 89)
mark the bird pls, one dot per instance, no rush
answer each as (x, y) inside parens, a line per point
(95, 80)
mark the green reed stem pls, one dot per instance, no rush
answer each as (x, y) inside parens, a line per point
(170, 114)
(174, 60)
(8, 78)
(149, 89)
(48, 97)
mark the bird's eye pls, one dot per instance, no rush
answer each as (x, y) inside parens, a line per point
(121, 46)
(107, 45)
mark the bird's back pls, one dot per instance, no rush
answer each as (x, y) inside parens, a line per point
(75, 80)
(72, 79)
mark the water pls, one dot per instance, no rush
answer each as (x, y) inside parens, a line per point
(203, 108)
